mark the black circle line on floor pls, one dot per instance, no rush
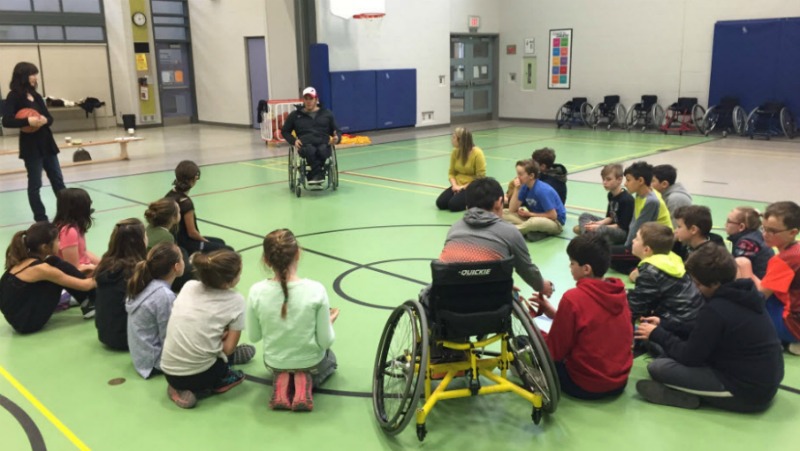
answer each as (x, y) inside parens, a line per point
(337, 283)
(28, 425)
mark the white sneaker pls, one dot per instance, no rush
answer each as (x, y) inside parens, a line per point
(794, 348)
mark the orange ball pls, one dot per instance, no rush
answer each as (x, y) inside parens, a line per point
(26, 113)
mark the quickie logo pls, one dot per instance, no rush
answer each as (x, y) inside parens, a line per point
(475, 272)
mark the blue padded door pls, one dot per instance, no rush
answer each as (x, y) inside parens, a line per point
(353, 100)
(397, 98)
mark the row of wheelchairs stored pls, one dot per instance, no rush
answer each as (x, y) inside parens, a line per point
(686, 115)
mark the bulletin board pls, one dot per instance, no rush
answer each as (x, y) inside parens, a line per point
(560, 59)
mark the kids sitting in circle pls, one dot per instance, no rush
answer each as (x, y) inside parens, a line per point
(292, 317)
(31, 286)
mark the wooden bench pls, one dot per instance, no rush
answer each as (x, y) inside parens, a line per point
(123, 152)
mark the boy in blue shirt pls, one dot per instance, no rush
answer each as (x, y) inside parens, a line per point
(534, 208)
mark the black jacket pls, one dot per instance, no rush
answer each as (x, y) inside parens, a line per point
(665, 291)
(111, 318)
(734, 336)
(750, 244)
(311, 130)
(31, 145)
(556, 177)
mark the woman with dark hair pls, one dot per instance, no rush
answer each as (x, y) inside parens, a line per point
(36, 144)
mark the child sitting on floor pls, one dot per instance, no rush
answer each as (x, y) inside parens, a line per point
(73, 219)
(293, 318)
(591, 333)
(614, 226)
(693, 229)
(743, 227)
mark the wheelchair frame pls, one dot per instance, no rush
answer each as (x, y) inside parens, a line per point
(761, 121)
(685, 115)
(298, 167)
(717, 116)
(613, 116)
(404, 356)
(647, 112)
(568, 114)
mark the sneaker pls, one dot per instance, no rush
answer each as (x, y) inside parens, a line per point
(232, 379)
(184, 399)
(576, 230)
(793, 348)
(87, 308)
(280, 392)
(64, 302)
(658, 393)
(303, 400)
(243, 354)
(533, 237)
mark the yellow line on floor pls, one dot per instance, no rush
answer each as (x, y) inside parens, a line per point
(388, 187)
(44, 411)
(388, 179)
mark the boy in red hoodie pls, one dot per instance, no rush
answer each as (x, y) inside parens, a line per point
(590, 339)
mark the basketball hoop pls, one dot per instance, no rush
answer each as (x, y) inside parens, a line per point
(370, 22)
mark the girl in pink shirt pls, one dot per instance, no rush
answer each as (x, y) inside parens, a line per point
(73, 219)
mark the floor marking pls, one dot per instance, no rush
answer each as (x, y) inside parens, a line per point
(28, 223)
(389, 179)
(388, 187)
(43, 410)
(28, 425)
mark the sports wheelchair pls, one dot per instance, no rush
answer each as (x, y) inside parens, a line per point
(575, 111)
(770, 119)
(683, 116)
(647, 113)
(727, 116)
(610, 109)
(465, 300)
(299, 168)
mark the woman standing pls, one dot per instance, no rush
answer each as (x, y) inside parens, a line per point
(36, 147)
(467, 163)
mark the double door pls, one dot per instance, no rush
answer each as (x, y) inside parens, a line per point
(472, 77)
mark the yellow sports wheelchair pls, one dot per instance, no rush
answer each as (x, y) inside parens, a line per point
(473, 320)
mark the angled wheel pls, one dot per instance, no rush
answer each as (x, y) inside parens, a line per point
(292, 169)
(620, 115)
(739, 120)
(561, 115)
(532, 359)
(400, 367)
(698, 113)
(658, 115)
(594, 116)
(750, 128)
(787, 123)
(709, 121)
(334, 171)
(632, 117)
(586, 112)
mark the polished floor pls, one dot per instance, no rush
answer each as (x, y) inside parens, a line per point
(368, 242)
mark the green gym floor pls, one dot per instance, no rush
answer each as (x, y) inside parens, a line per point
(369, 243)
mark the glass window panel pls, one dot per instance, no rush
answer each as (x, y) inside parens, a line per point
(15, 5)
(457, 50)
(483, 72)
(16, 33)
(48, 33)
(480, 49)
(480, 100)
(46, 5)
(84, 33)
(457, 73)
(164, 7)
(169, 20)
(457, 102)
(170, 33)
(81, 6)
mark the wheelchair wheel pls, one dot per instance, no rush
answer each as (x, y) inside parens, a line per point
(709, 121)
(739, 120)
(292, 169)
(594, 116)
(400, 367)
(334, 175)
(657, 115)
(698, 114)
(586, 113)
(632, 117)
(750, 127)
(561, 115)
(787, 123)
(621, 115)
(532, 359)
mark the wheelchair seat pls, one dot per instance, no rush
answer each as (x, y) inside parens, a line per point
(647, 102)
(474, 299)
(684, 105)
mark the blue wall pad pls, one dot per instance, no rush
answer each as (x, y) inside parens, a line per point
(320, 72)
(396, 98)
(757, 61)
(353, 100)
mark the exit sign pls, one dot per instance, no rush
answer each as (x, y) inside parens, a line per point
(474, 22)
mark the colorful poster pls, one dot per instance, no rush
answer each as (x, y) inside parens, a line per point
(560, 59)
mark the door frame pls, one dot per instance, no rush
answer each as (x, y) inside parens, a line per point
(495, 46)
(192, 119)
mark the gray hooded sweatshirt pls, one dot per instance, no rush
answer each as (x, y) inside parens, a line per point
(148, 315)
(675, 197)
(484, 233)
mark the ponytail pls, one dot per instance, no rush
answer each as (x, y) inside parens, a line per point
(280, 251)
(159, 263)
(17, 250)
(217, 269)
(28, 243)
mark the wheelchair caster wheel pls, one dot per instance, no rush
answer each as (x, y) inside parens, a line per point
(421, 432)
(298, 191)
(536, 415)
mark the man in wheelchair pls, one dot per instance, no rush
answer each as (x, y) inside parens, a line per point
(312, 130)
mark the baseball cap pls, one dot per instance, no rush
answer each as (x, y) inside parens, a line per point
(309, 91)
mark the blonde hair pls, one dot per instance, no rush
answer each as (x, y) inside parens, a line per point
(280, 251)
(464, 143)
(749, 216)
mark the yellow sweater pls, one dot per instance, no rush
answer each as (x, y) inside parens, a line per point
(474, 168)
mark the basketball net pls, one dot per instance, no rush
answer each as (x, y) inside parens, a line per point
(369, 24)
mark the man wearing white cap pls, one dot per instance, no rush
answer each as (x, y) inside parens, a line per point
(314, 130)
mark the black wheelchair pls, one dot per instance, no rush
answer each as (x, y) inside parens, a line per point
(575, 111)
(473, 315)
(683, 116)
(299, 169)
(610, 110)
(728, 116)
(644, 114)
(770, 119)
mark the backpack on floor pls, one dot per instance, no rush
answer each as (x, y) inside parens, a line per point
(81, 155)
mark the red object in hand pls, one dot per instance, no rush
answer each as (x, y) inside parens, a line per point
(26, 113)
